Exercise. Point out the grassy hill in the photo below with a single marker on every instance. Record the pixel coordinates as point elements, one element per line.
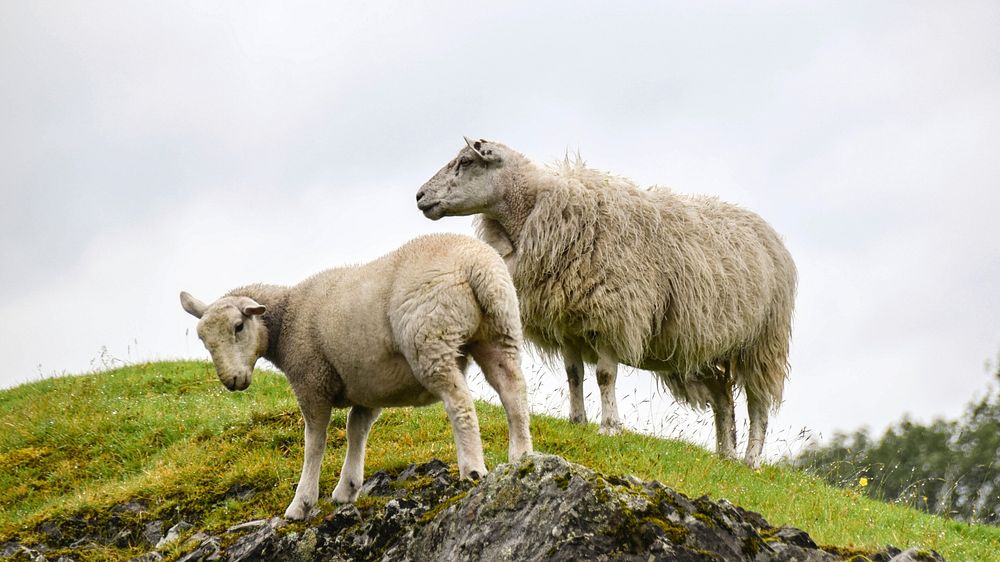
<point>170,435</point>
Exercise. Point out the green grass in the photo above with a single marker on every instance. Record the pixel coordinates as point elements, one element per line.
<point>170,435</point>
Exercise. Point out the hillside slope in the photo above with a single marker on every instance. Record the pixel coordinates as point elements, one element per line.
<point>169,436</point>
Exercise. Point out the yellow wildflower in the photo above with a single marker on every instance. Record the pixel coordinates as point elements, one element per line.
<point>863,482</point>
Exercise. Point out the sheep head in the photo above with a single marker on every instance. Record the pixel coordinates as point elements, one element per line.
<point>233,333</point>
<point>466,185</point>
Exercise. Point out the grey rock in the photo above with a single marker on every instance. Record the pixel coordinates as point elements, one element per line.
<point>135,506</point>
<point>173,534</point>
<point>253,546</point>
<point>9,548</point>
<point>545,508</point>
<point>196,539</point>
<point>206,548</point>
<point>148,557</point>
<point>890,551</point>
<point>407,473</point>
<point>21,552</point>
<point>249,525</point>
<point>917,555</point>
<point>122,539</point>
<point>52,531</point>
<point>345,517</point>
<point>378,484</point>
<point>301,547</point>
<point>634,480</point>
<point>795,537</point>
<point>783,552</point>
<point>153,532</point>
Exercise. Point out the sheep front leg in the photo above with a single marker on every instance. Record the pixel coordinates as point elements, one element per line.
<point>607,375</point>
<point>317,418</point>
<point>352,475</point>
<point>574,376</point>
<point>503,371</point>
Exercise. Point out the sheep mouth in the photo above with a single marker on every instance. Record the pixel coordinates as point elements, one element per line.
<point>237,383</point>
<point>430,210</point>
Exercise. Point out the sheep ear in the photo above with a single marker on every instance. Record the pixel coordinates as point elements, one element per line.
<point>475,146</point>
<point>483,149</point>
<point>193,306</point>
<point>250,307</point>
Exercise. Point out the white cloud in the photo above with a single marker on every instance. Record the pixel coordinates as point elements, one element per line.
<point>161,147</point>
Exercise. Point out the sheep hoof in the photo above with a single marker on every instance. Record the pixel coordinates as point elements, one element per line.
<point>729,455</point>
<point>611,429</point>
<point>475,474</point>
<point>297,511</point>
<point>346,494</point>
<point>578,418</point>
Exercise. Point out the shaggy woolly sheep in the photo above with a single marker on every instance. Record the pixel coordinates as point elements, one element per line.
<point>393,332</point>
<point>697,290</point>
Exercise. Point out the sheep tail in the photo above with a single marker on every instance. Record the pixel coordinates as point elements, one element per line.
<point>494,291</point>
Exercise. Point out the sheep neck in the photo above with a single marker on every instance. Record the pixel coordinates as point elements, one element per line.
<point>518,199</point>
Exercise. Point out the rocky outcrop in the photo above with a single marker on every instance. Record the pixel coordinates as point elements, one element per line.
<point>543,508</point>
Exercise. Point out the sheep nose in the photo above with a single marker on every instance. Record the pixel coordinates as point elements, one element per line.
<point>420,195</point>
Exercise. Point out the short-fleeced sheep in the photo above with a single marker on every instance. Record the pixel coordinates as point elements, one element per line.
<point>695,289</point>
<point>397,331</point>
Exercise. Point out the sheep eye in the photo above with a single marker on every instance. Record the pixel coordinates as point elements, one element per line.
<point>239,327</point>
<point>465,161</point>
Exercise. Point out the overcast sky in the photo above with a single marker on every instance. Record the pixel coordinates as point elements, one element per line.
<point>149,147</point>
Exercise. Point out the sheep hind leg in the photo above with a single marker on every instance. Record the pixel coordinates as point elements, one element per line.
<point>720,388</point>
<point>574,376</point>
<point>317,418</point>
<point>607,375</point>
<point>502,370</point>
<point>757,412</point>
<point>465,426</point>
<point>437,369</point>
<point>352,475</point>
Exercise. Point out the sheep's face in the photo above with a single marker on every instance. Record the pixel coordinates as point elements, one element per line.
<point>233,333</point>
<point>467,185</point>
